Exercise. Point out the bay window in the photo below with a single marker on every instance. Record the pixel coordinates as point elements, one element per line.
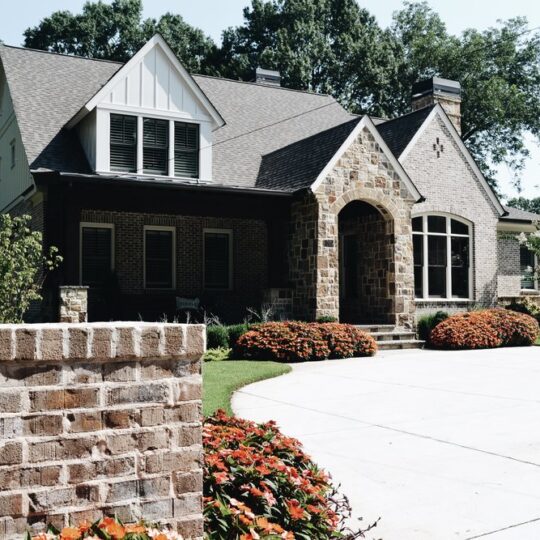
<point>441,251</point>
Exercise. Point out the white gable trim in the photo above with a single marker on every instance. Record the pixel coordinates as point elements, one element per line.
<point>366,122</point>
<point>156,41</point>
<point>439,111</point>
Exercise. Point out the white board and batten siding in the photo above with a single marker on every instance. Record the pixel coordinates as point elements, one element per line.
<point>14,180</point>
<point>152,87</point>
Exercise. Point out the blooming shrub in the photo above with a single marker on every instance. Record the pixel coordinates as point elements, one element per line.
<point>108,528</point>
<point>298,341</point>
<point>485,329</point>
<point>259,484</point>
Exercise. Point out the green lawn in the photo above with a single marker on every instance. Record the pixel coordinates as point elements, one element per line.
<point>537,341</point>
<point>221,379</point>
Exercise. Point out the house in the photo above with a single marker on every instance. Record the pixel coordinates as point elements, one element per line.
<point>156,184</point>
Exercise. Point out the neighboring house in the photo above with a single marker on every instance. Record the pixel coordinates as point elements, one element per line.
<point>155,184</point>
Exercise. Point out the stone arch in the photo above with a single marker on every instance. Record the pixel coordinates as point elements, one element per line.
<point>383,203</point>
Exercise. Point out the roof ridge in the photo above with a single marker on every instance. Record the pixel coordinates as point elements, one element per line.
<point>75,56</point>
<point>423,109</point>
<point>258,85</point>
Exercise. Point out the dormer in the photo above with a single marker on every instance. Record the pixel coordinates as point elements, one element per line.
<point>150,119</point>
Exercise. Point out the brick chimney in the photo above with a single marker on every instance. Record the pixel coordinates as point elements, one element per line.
<point>436,90</point>
<point>267,77</point>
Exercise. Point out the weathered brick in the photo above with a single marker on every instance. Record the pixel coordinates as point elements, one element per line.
<point>174,341</point>
<point>40,476</point>
<point>10,479</point>
<point>10,402</point>
<point>84,374</point>
<point>153,440</point>
<point>183,412</point>
<point>191,527</point>
<point>187,482</point>
<point>150,342</point>
<point>120,372</point>
<point>11,453</point>
<point>122,491</point>
<point>187,459</point>
<point>52,344</point>
<point>153,488</point>
<point>6,344</point>
<point>187,504</point>
<point>187,435</point>
<point>144,393</point>
<point>189,389</point>
<point>46,400</point>
<point>196,340</point>
<point>78,342</point>
<point>121,443</point>
<point>11,505</point>
<point>121,418</point>
<point>43,425</point>
<point>51,499</point>
<point>75,398</point>
<point>84,421</point>
<point>125,343</point>
<point>157,510</point>
<point>26,344</point>
<point>36,375</point>
<point>151,416</point>
<point>102,343</point>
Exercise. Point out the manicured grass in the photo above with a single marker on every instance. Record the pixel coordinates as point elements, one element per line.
<point>537,341</point>
<point>221,379</point>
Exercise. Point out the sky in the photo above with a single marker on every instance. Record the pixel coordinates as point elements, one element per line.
<point>212,16</point>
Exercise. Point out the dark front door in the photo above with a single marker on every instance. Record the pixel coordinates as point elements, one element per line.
<point>349,276</point>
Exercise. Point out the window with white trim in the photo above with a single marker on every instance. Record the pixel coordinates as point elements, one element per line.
<point>155,146</point>
<point>96,253</point>
<point>159,257</point>
<point>442,257</point>
<point>528,263</point>
<point>217,250</point>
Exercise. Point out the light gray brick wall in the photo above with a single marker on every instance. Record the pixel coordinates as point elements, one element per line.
<point>449,185</point>
<point>509,279</point>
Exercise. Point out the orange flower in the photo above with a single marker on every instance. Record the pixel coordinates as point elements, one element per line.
<point>70,533</point>
<point>161,536</point>
<point>294,510</point>
<point>116,531</point>
<point>85,526</point>
<point>135,529</point>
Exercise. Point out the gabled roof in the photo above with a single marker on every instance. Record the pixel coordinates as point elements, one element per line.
<point>398,132</point>
<point>47,90</point>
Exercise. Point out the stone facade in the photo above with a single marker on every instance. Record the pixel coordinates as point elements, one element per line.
<point>73,304</point>
<point>100,419</point>
<point>363,173</point>
<point>450,186</point>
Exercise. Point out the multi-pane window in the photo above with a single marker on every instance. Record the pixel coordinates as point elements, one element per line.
<point>217,259</point>
<point>123,152</point>
<point>96,253</point>
<point>441,246</point>
<point>527,261</point>
<point>186,150</point>
<point>156,146</point>
<point>159,257</point>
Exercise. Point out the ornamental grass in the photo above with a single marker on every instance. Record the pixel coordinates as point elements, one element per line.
<point>485,329</point>
<point>108,528</point>
<point>260,485</point>
<point>298,341</point>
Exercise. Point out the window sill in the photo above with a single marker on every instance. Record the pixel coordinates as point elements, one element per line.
<point>444,300</point>
<point>530,292</point>
<point>156,176</point>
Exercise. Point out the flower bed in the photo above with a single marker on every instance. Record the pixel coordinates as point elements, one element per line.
<point>297,341</point>
<point>259,484</point>
<point>485,329</point>
<point>108,528</point>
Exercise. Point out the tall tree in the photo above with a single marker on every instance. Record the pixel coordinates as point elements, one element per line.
<point>117,31</point>
<point>530,205</point>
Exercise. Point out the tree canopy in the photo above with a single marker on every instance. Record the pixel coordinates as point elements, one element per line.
<point>530,205</point>
<point>337,47</point>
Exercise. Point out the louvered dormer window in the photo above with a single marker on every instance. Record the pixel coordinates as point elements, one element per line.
<point>186,150</point>
<point>155,146</point>
<point>123,143</point>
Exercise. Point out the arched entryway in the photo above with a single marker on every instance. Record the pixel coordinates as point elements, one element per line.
<point>366,264</point>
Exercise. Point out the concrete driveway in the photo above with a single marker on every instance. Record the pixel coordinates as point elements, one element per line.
<point>441,445</point>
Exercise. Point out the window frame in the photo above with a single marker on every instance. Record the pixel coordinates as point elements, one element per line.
<point>535,288</point>
<point>139,150</point>
<point>95,225</point>
<point>173,258</point>
<point>448,235</point>
<point>12,152</point>
<point>119,170</point>
<point>230,234</point>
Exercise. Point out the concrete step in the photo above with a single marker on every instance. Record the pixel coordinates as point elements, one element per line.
<point>395,335</point>
<point>401,344</point>
<point>376,328</point>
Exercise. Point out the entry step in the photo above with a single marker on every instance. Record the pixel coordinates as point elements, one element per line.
<point>389,337</point>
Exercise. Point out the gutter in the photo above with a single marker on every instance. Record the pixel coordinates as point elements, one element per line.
<point>161,184</point>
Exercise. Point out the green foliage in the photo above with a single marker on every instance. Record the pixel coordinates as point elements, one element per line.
<point>525,306</point>
<point>217,355</point>
<point>235,331</point>
<point>217,336</point>
<point>428,322</point>
<point>116,31</point>
<point>23,267</point>
<point>327,319</point>
<point>532,242</point>
<point>530,205</point>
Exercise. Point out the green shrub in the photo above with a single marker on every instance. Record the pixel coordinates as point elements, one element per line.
<point>327,319</point>
<point>217,355</point>
<point>525,306</point>
<point>235,331</point>
<point>428,322</point>
<point>217,336</point>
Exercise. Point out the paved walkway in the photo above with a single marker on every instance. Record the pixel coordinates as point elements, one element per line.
<point>441,445</point>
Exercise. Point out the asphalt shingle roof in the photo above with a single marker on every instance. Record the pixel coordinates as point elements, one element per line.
<point>47,90</point>
<point>516,214</point>
<point>397,133</point>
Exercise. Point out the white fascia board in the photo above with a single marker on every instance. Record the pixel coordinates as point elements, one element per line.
<point>366,122</point>
<point>156,40</point>
<point>439,111</point>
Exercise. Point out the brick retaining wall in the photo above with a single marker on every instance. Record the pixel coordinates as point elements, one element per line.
<point>100,418</point>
